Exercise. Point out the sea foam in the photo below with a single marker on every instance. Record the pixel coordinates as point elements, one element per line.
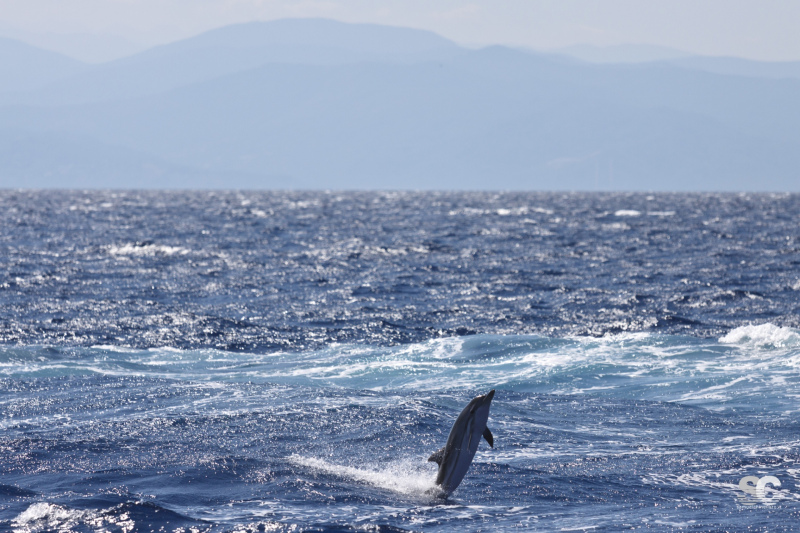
<point>763,335</point>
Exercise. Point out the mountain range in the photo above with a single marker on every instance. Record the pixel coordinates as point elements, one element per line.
<point>312,103</point>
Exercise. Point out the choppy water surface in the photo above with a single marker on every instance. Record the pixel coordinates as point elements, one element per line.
<point>198,361</point>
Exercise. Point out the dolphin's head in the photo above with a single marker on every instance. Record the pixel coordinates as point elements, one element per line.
<point>479,407</point>
<point>482,401</point>
<point>487,398</point>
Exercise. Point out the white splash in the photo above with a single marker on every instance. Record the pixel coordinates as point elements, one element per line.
<point>411,477</point>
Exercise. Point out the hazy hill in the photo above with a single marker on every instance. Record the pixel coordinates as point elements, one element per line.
<point>735,66</point>
<point>26,67</point>
<point>413,112</point>
<point>623,53</point>
<point>639,54</point>
<point>241,47</point>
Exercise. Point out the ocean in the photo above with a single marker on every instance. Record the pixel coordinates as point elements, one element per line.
<point>287,361</point>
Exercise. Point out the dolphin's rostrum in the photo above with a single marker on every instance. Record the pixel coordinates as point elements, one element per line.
<point>462,443</point>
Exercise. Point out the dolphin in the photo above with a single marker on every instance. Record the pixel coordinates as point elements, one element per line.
<point>462,443</point>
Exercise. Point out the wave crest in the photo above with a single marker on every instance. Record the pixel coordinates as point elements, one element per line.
<point>763,335</point>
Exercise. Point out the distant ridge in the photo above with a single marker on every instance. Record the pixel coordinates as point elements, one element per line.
<point>623,53</point>
<point>310,103</point>
<point>734,66</point>
<point>639,54</point>
<point>241,47</point>
<point>373,39</point>
<point>25,67</point>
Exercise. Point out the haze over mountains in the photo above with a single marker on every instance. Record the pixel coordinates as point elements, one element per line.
<point>320,104</point>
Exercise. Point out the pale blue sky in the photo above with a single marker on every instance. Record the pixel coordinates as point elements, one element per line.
<point>757,29</point>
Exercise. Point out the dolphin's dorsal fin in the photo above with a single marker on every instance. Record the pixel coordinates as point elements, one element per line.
<point>437,456</point>
<point>488,436</point>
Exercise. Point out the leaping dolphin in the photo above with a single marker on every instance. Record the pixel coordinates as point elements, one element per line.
<point>462,443</point>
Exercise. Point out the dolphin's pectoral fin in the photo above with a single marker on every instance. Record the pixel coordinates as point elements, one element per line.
<point>437,456</point>
<point>488,436</point>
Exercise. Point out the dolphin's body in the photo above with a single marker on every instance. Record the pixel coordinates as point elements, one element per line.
<point>462,443</point>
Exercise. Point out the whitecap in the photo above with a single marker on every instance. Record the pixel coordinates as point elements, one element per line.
<point>44,516</point>
<point>765,335</point>
<point>147,250</point>
<point>616,226</point>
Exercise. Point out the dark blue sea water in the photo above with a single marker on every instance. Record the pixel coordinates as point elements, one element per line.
<point>256,361</point>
